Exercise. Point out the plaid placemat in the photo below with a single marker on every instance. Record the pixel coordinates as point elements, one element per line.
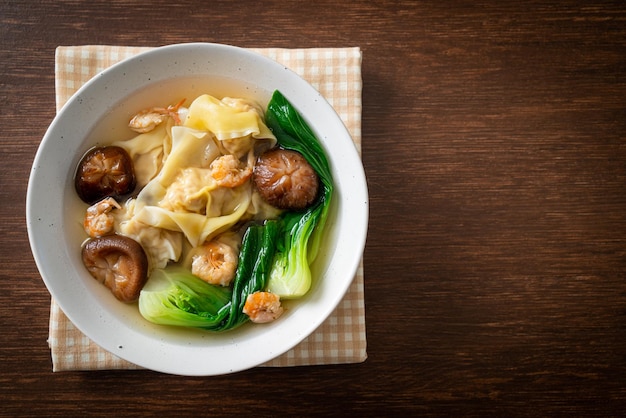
<point>336,74</point>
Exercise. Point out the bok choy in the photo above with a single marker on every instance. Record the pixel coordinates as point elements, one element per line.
<point>174,296</point>
<point>298,244</point>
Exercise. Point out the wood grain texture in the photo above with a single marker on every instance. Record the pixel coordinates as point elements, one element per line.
<point>494,141</point>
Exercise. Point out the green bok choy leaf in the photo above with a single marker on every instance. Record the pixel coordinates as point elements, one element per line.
<point>298,244</point>
<point>174,296</point>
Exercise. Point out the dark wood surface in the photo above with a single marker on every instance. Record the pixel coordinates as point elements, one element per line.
<point>494,141</point>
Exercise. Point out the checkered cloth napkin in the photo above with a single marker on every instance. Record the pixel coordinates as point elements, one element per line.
<point>336,74</point>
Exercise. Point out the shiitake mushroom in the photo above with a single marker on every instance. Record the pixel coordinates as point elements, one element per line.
<point>119,262</point>
<point>285,179</point>
<point>104,172</point>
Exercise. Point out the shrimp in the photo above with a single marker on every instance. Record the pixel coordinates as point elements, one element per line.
<point>229,171</point>
<point>148,119</point>
<point>263,307</point>
<point>215,263</point>
<point>98,219</point>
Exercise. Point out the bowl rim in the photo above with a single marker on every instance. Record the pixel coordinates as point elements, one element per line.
<point>35,218</point>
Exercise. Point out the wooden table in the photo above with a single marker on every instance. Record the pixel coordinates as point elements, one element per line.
<point>494,141</point>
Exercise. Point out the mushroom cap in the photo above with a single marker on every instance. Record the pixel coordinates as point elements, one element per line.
<point>104,172</point>
<point>285,179</point>
<point>119,262</point>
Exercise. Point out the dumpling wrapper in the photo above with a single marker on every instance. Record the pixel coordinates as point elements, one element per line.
<point>227,118</point>
<point>148,151</point>
<point>161,245</point>
<point>196,227</point>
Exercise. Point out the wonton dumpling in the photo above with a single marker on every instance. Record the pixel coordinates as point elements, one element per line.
<point>259,209</point>
<point>161,245</point>
<point>171,199</point>
<point>198,228</point>
<point>148,151</point>
<point>228,118</point>
<point>190,148</point>
<point>189,191</point>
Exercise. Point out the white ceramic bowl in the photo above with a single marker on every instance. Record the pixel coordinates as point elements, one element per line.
<point>98,113</point>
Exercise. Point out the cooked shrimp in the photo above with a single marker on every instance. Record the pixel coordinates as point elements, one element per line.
<point>229,171</point>
<point>148,119</point>
<point>98,219</point>
<point>215,263</point>
<point>263,307</point>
